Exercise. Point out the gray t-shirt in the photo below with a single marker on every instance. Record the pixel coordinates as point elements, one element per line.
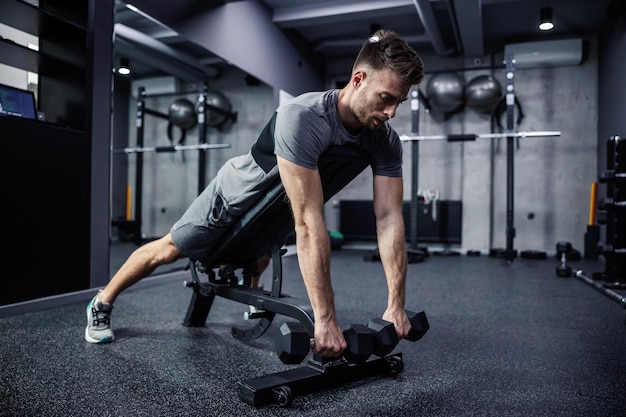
<point>308,124</point>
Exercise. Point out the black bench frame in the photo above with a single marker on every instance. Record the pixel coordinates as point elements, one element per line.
<point>264,229</point>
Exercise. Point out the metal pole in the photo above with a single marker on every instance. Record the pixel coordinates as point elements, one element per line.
<point>202,137</point>
<point>618,298</point>
<point>510,153</point>
<point>415,115</point>
<point>139,164</point>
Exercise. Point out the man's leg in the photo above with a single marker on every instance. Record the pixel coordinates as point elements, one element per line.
<point>262,265</point>
<point>141,263</point>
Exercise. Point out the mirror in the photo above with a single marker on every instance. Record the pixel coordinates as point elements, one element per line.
<point>155,107</point>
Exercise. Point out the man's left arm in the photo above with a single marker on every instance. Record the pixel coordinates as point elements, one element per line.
<point>390,233</point>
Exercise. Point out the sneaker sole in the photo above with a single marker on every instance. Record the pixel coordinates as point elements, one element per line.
<point>92,340</point>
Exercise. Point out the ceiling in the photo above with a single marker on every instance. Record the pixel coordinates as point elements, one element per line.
<point>334,29</point>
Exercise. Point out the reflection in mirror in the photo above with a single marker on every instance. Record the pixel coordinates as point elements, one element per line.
<point>163,149</point>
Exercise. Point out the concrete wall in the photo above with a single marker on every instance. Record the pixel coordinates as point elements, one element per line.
<point>552,176</point>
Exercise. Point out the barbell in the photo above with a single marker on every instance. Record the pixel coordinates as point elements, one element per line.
<point>173,148</point>
<point>473,136</point>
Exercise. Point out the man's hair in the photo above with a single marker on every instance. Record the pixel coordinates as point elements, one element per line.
<point>385,49</point>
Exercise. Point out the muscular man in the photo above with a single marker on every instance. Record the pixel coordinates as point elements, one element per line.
<point>289,146</point>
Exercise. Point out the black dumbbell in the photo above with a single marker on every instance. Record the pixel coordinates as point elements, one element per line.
<point>419,325</point>
<point>386,338</point>
<point>360,340</point>
<point>293,343</point>
<point>563,270</point>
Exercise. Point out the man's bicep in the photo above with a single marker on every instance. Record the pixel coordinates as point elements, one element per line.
<point>388,195</point>
<point>302,185</point>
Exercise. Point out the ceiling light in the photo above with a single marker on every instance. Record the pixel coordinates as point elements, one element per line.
<point>124,68</point>
<point>545,19</point>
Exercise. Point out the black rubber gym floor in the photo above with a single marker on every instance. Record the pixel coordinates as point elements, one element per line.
<point>505,340</point>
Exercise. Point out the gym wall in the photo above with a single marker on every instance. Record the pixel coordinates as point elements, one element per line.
<point>552,175</point>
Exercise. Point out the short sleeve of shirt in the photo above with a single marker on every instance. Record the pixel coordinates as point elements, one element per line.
<point>301,135</point>
<point>387,151</point>
<point>310,124</point>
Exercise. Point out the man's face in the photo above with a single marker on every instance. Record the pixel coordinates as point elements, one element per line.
<point>377,97</point>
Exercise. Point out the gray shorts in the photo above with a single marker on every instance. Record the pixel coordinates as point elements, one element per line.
<point>237,185</point>
<point>204,222</point>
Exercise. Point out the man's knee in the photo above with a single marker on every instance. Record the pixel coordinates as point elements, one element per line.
<point>163,251</point>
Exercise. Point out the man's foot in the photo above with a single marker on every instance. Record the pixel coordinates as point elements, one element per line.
<point>98,328</point>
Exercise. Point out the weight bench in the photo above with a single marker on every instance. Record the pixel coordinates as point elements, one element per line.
<point>263,229</point>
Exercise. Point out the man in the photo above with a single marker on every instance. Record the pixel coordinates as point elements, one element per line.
<point>289,146</point>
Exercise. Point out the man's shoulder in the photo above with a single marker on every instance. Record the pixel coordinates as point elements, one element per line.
<point>314,101</point>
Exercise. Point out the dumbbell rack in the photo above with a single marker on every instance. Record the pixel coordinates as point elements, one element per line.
<point>613,207</point>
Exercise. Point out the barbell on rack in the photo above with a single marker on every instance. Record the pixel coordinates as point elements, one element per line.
<point>473,136</point>
<point>173,148</point>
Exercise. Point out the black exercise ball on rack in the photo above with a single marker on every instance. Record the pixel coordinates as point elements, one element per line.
<point>182,113</point>
<point>483,93</point>
<point>445,91</point>
<point>218,108</point>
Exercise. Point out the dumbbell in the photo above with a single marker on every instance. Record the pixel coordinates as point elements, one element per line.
<point>386,338</point>
<point>379,337</point>
<point>563,270</point>
<point>293,343</point>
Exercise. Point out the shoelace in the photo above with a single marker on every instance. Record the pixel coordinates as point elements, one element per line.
<point>100,317</point>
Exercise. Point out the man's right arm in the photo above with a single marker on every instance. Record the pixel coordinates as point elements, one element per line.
<point>304,190</point>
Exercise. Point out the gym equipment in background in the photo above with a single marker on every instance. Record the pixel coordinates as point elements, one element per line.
<point>446,91</point>
<point>219,109</point>
<point>473,136</point>
<point>508,253</point>
<point>613,208</point>
<point>181,113</point>
<point>565,252</point>
<point>483,93</point>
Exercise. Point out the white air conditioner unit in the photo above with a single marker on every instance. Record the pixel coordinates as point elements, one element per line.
<point>156,85</point>
<point>546,54</point>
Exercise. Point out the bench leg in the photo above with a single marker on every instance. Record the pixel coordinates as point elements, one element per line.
<point>200,303</point>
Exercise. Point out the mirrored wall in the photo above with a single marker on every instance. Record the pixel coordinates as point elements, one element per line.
<point>164,148</point>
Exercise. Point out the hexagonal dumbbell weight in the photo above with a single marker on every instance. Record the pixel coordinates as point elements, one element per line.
<point>419,325</point>
<point>385,336</point>
<point>292,342</point>
<point>360,340</point>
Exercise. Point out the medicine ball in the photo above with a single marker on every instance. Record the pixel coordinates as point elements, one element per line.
<point>182,113</point>
<point>218,108</point>
<point>445,91</point>
<point>483,93</point>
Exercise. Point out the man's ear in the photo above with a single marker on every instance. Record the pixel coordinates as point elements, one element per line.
<point>358,77</point>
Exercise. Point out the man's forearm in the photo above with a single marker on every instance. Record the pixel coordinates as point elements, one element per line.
<point>392,248</point>
<point>313,246</point>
